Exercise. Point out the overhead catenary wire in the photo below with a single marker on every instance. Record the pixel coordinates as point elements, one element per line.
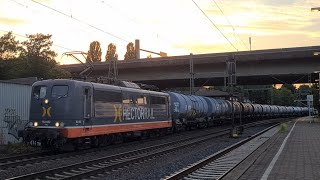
<point>230,24</point>
<point>134,21</point>
<point>23,5</point>
<point>81,21</point>
<point>215,25</point>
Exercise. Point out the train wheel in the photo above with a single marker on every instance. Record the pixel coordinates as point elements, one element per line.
<point>95,141</point>
<point>107,139</point>
<point>163,132</point>
<point>118,139</point>
<point>145,135</point>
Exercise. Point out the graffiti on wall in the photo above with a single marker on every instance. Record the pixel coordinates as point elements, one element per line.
<point>14,122</point>
<point>2,140</point>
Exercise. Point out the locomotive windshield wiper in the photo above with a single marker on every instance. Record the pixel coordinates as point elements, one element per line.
<point>62,96</point>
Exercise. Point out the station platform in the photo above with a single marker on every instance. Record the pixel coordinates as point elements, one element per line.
<point>290,154</point>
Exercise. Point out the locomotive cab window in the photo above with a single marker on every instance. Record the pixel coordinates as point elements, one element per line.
<point>59,91</point>
<point>129,98</point>
<point>107,96</point>
<point>158,100</point>
<point>39,92</point>
<point>142,100</point>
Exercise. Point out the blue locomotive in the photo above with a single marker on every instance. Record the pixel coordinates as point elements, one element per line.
<point>77,112</point>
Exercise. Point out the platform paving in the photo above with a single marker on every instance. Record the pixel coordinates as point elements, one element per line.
<point>298,158</point>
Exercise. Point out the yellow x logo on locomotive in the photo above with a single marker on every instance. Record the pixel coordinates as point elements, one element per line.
<point>46,111</point>
<point>117,114</point>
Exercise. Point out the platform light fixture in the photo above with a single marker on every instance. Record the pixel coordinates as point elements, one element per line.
<point>316,53</point>
<point>315,9</point>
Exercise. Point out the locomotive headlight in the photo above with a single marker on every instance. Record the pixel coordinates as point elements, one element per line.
<point>35,124</point>
<point>46,101</point>
<point>57,124</point>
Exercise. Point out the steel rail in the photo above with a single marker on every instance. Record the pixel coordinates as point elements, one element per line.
<point>192,168</point>
<point>100,165</point>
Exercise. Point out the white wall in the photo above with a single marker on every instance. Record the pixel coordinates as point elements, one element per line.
<point>14,110</point>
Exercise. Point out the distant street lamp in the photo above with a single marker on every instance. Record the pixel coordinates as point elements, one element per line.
<point>317,54</point>
<point>318,85</point>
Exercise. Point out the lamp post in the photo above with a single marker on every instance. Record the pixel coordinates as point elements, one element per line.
<point>317,54</point>
<point>318,85</point>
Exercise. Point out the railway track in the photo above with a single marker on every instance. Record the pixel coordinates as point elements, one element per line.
<point>12,161</point>
<point>99,166</point>
<point>24,159</point>
<point>221,163</point>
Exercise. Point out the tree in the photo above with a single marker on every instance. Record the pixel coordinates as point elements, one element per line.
<point>35,60</point>
<point>94,53</point>
<point>39,45</point>
<point>291,87</point>
<point>111,52</point>
<point>283,97</point>
<point>9,47</point>
<point>261,94</point>
<point>130,54</point>
<point>287,97</point>
<point>57,72</point>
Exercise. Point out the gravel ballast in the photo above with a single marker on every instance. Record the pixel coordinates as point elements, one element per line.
<point>156,168</point>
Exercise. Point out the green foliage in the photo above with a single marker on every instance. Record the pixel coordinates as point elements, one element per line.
<point>260,94</point>
<point>94,53</point>
<point>304,88</point>
<point>283,97</point>
<point>9,47</point>
<point>39,45</point>
<point>130,54</point>
<point>291,87</point>
<point>283,127</point>
<point>36,59</point>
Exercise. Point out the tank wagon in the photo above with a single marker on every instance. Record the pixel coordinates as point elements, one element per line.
<point>77,113</point>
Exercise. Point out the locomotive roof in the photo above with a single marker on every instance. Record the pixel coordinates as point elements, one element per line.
<point>95,85</point>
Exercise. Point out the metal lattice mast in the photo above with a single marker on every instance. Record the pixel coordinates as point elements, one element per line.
<point>191,75</point>
<point>232,81</point>
<point>113,68</point>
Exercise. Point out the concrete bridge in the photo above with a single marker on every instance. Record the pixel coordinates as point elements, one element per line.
<point>274,66</point>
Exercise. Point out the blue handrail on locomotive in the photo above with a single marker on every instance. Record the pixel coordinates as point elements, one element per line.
<point>70,111</point>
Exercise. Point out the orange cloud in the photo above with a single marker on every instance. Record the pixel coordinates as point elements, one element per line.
<point>12,21</point>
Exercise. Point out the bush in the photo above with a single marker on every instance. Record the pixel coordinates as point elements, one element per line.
<point>283,127</point>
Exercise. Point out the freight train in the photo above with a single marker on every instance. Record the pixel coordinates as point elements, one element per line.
<point>85,113</point>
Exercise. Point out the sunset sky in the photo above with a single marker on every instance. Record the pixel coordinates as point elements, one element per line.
<point>176,27</point>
